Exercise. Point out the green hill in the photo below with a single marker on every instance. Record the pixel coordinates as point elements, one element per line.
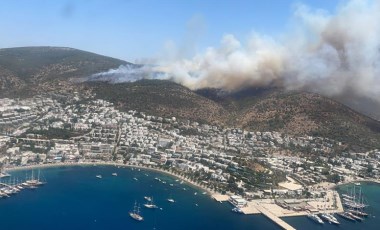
<point>33,67</point>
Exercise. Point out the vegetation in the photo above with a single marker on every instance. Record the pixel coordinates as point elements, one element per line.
<point>31,70</point>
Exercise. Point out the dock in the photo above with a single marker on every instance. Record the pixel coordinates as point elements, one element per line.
<point>274,218</point>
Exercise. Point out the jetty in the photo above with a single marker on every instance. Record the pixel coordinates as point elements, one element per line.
<point>274,218</point>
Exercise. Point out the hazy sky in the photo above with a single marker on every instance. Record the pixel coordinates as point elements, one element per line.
<point>135,29</point>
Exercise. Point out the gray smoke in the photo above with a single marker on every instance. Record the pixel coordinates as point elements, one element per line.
<point>332,54</point>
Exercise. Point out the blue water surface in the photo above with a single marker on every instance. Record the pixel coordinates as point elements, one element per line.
<point>74,198</point>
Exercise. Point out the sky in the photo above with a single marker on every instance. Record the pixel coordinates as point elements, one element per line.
<point>137,30</point>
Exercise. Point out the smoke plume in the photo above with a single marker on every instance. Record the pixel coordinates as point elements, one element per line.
<point>331,54</point>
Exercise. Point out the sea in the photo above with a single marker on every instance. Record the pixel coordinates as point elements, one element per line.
<point>74,198</point>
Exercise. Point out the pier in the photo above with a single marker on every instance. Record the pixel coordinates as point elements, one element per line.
<point>274,218</point>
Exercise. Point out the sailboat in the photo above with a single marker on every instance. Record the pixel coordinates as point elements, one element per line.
<point>39,182</point>
<point>135,214</point>
<point>359,211</point>
<point>355,203</point>
<point>32,183</point>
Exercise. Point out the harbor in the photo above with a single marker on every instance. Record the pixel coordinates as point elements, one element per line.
<point>11,186</point>
<point>273,209</point>
<point>348,206</point>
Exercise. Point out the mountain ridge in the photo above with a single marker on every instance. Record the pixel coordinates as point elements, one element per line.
<point>29,71</point>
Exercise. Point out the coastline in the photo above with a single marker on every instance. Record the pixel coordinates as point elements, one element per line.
<point>54,165</point>
<point>356,181</point>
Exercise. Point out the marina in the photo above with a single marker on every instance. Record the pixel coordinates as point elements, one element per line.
<point>268,208</point>
<point>11,186</point>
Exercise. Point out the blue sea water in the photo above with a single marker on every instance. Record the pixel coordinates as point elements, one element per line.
<point>75,199</point>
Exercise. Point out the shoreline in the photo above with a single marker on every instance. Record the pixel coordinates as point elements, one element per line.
<point>374,181</point>
<point>55,165</point>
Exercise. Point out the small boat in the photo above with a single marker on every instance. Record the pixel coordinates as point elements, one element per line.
<point>171,200</point>
<point>195,194</point>
<point>237,210</point>
<point>150,204</point>
<point>196,205</point>
<point>148,198</point>
<point>315,218</point>
<point>135,214</point>
<point>135,179</point>
<point>357,184</point>
<point>114,174</point>
<point>172,185</point>
<point>204,193</point>
<point>99,176</point>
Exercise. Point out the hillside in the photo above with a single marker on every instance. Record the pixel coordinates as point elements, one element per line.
<point>297,113</point>
<point>27,69</point>
<point>33,70</point>
<point>267,109</point>
<point>161,98</point>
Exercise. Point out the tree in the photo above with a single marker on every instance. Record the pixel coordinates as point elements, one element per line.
<point>335,178</point>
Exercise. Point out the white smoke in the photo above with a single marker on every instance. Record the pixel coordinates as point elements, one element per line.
<point>128,73</point>
<point>331,54</point>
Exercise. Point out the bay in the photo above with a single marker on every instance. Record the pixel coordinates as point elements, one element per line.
<point>74,198</point>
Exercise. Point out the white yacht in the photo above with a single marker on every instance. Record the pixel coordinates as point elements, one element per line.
<point>315,218</point>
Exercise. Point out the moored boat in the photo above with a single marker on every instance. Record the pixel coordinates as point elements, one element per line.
<point>135,214</point>
<point>237,210</point>
<point>150,204</point>
<point>354,216</point>
<point>315,218</point>
<point>345,216</point>
<point>329,218</point>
